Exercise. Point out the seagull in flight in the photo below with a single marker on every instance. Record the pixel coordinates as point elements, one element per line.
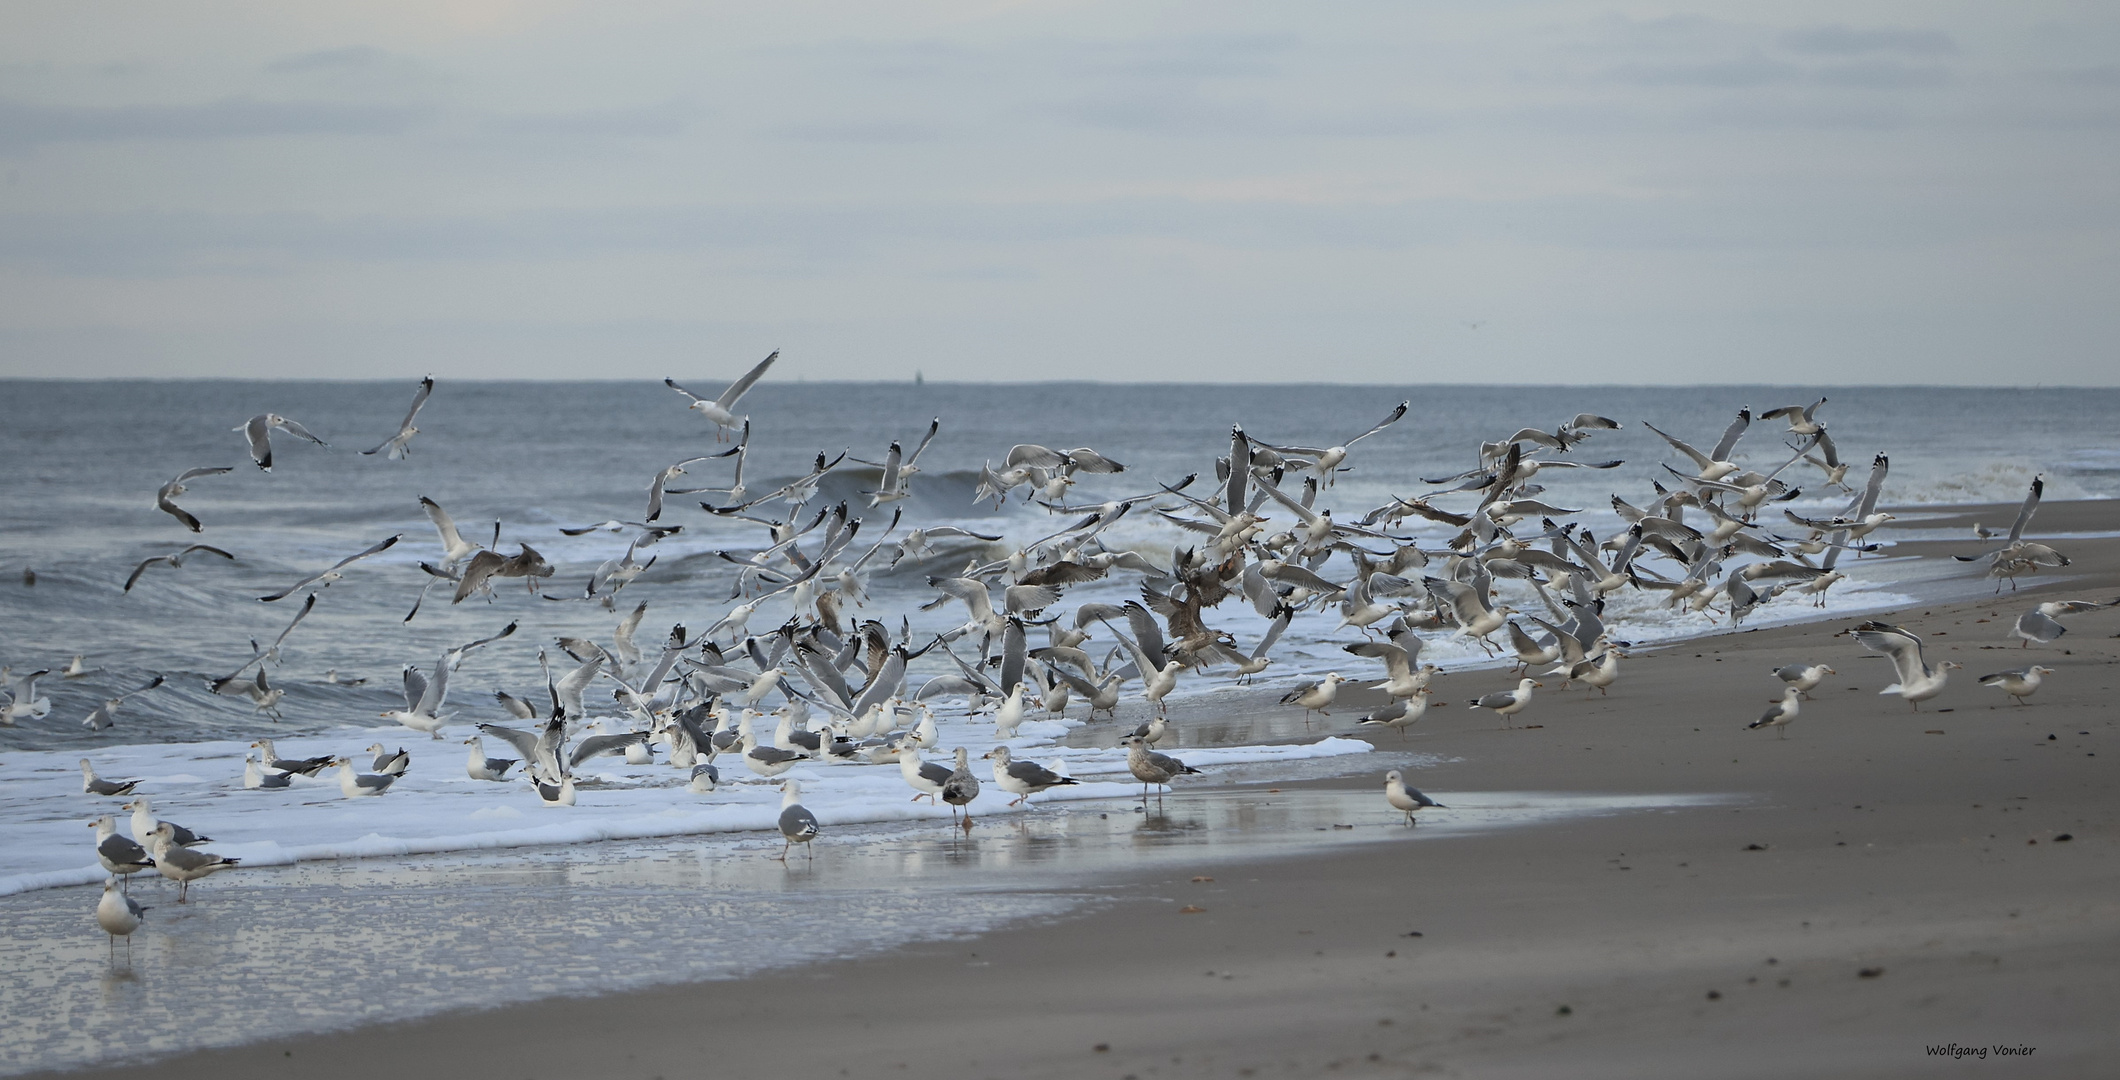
<point>398,444</point>
<point>720,410</point>
<point>258,429</point>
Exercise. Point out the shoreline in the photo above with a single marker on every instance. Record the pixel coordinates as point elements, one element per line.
<point>1880,846</point>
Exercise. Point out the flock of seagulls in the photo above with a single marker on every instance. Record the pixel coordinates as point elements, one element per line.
<point>823,685</point>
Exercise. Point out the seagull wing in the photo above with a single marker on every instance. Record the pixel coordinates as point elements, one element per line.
<point>740,387</point>
<point>1903,647</point>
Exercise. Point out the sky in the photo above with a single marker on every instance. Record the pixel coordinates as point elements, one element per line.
<point>1543,192</point>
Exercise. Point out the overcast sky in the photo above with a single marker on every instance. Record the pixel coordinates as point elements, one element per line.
<point>1395,192</point>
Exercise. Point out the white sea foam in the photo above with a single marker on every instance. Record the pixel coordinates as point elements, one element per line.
<point>436,808</point>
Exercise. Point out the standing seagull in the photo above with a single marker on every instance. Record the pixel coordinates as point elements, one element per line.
<point>1918,681</point>
<point>1404,799</point>
<point>145,825</point>
<point>397,444</point>
<point>183,865</point>
<point>2018,683</point>
<point>119,916</point>
<point>1402,713</point>
<point>925,778</point>
<point>165,498</point>
<point>258,429</point>
<point>962,787</point>
<point>719,409</point>
<point>1315,697</point>
<point>1509,702</point>
<point>117,854</point>
<point>1023,779</point>
<point>1150,767</point>
<point>1783,711</point>
<point>797,824</point>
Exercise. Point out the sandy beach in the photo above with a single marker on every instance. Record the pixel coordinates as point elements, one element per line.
<point>1880,883</point>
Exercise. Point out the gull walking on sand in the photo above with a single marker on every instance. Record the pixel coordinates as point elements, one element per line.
<point>118,915</point>
<point>1783,711</point>
<point>1023,779</point>
<point>1918,680</point>
<point>1508,703</point>
<point>1152,768</point>
<point>1405,799</point>
<point>2018,683</point>
<point>1804,677</point>
<point>183,865</point>
<point>1315,697</point>
<point>117,854</point>
<point>1402,713</point>
<point>797,824</point>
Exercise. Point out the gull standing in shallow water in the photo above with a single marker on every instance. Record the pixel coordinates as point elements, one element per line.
<point>1918,681</point>
<point>144,826</point>
<point>1023,779</point>
<point>797,824</point>
<point>119,916</point>
<point>117,854</point>
<point>1405,799</point>
<point>183,865</point>
<point>1783,711</point>
<point>2018,683</point>
<point>962,787</point>
<point>1150,767</point>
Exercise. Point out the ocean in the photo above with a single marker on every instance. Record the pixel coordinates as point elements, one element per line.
<point>84,460</point>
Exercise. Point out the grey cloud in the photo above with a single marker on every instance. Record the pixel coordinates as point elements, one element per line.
<point>856,234</point>
<point>345,58</point>
<point>647,121</point>
<point>885,132</point>
<point>1850,41</point>
<point>231,118</point>
<point>1750,70</point>
<point>1882,75</point>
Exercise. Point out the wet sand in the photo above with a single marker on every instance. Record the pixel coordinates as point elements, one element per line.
<point>1884,882</point>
